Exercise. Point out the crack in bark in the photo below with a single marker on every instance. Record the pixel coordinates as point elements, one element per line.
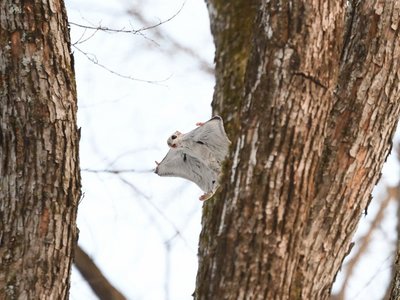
<point>312,78</point>
<point>348,28</point>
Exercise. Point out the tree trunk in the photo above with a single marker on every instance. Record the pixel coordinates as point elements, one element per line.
<point>40,179</point>
<point>310,94</point>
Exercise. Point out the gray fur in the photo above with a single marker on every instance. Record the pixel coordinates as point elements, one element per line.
<point>197,155</point>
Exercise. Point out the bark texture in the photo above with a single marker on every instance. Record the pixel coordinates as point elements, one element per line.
<point>40,179</point>
<point>311,114</point>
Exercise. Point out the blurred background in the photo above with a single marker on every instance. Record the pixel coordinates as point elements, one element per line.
<point>144,69</point>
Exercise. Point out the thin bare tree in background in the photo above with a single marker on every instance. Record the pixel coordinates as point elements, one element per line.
<point>310,93</point>
<point>395,290</point>
<point>39,165</point>
<point>393,293</point>
<point>161,35</point>
<point>365,241</point>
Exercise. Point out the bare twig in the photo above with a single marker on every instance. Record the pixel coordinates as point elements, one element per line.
<point>167,246</point>
<point>128,153</point>
<point>373,277</point>
<point>175,45</point>
<point>93,59</point>
<point>95,278</point>
<point>156,208</point>
<point>116,171</point>
<point>130,31</point>
<point>81,39</point>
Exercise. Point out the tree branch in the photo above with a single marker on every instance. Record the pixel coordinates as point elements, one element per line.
<point>123,30</point>
<point>116,171</point>
<point>95,278</point>
<point>93,59</point>
<point>176,46</point>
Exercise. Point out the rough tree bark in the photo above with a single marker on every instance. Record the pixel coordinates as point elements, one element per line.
<point>39,172</point>
<point>310,94</point>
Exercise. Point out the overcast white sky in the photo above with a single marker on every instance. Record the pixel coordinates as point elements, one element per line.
<point>142,230</point>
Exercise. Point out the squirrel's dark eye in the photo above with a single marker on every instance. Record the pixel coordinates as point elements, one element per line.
<point>173,136</point>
